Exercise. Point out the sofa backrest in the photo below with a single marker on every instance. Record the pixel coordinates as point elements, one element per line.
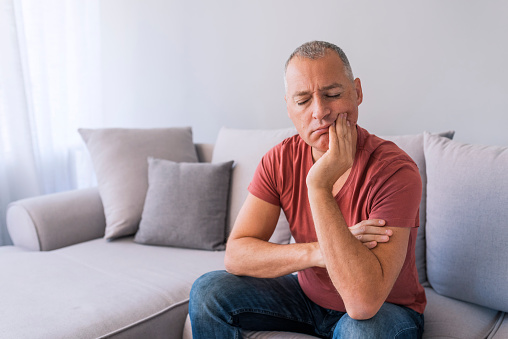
<point>246,148</point>
<point>467,221</point>
<point>204,151</point>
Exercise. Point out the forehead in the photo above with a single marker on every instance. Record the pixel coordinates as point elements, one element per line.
<point>305,74</point>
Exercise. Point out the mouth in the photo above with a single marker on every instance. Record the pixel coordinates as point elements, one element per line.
<point>322,130</point>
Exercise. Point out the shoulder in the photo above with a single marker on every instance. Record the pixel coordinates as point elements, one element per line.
<point>286,150</point>
<point>384,154</point>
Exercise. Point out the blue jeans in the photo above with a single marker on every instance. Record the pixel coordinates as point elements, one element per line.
<point>222,305</point>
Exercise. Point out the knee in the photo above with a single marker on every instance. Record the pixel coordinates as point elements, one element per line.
<point>204,285</point>
<point>390,322</point>
<point>348,327</point>
<point>207,290</point>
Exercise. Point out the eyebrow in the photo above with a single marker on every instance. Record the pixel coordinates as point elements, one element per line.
<point>326,88</point>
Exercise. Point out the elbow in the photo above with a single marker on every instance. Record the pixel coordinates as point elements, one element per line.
<point>231,265</point>
<point>360,314</point>
<point>363,310</point>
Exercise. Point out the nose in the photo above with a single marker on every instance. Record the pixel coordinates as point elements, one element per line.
<point>320,110</point>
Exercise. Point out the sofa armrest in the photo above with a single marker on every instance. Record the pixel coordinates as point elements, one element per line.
<point>57,220</point>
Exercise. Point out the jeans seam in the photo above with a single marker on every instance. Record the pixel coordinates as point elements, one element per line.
<point>273,314</point>
<point>413,327</point>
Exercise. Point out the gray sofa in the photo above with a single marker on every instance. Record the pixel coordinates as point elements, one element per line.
<point>62,279</point>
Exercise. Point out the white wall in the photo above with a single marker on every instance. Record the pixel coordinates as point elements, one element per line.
<point>425,65</point>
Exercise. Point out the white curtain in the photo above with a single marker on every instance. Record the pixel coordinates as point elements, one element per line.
<point>49,87</point>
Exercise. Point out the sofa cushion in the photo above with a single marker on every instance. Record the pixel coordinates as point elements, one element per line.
<point>246,148</point>
<point>119,159</point>
<point>413,146</point>
<point>186,205</point>
<point>11,249</point>
<point>449,318</point>
<point>467,199</point>
<point>99,288</point>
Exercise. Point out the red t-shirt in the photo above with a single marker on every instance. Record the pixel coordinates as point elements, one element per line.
<point>384,183</point>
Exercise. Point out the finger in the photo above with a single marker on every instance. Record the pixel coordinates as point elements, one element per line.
<point>332,130</point>
<point>372,222</point>
<point>369,222</point>
<point>370,245</point>
<point>341,125</point>
<point>364,238</point>
<point>344,134</point>
<point>333,142</point>
<point>374,230</point>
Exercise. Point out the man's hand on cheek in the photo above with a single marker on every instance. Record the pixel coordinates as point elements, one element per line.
<point>337,160</point>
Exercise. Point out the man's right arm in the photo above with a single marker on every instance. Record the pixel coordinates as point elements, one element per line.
<point>249,253</point>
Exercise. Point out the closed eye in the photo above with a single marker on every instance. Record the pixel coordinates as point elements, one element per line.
<point>300,103</point>
<point>333,96</point>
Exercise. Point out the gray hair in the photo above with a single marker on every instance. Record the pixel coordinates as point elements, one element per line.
<point>315,50</point>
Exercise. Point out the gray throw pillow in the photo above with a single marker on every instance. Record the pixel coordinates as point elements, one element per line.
<point>467,199</point>
<point>119,159</point>
<point>186,205</point>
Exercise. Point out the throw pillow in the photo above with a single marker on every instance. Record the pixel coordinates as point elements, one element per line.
<point>467,195</point>
<point>247,147</point>
<point>186,205</point>
<point>119,159</point>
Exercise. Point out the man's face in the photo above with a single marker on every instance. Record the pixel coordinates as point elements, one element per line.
<point>317,92</point>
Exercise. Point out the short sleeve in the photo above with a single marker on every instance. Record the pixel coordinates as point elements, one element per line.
<point>396,196</point>
<point>264,183</point>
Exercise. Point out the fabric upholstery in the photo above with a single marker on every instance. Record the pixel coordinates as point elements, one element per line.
<point>501,332</point>
<point>119,157</point>
<point>450,318</point>
<point>57,220</point>
<point>186,205</point>
<point>93,289</point>
<point>11,249</point>
<point>246,148</point>
<point>467,196</point>
<point>413,146</point>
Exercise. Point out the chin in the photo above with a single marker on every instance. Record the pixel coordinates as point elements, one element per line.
<point>322,143</point>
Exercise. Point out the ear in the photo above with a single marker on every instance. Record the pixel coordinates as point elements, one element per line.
<point>359,92</point>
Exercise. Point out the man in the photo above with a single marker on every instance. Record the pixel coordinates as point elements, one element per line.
<point>352,282</point>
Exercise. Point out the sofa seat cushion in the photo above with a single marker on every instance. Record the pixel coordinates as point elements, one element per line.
<point>11,249</point>
<point>450,318</point>
<point>98,288</point>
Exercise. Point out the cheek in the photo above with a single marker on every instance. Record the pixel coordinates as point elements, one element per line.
<point>299,120</point>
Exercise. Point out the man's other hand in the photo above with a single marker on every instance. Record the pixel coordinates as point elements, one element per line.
<point>371,232</point>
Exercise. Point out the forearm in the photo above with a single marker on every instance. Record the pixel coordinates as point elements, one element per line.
<point>354,269</point>
<point>258,258</point>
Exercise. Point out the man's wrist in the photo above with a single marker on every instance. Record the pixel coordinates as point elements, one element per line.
<point>319,191</point>
<point>314,255</point>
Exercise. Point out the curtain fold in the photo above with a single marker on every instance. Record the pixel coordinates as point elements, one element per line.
<point>49,87</point>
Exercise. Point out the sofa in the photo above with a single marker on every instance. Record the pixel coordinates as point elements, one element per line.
<point>69,275</point>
